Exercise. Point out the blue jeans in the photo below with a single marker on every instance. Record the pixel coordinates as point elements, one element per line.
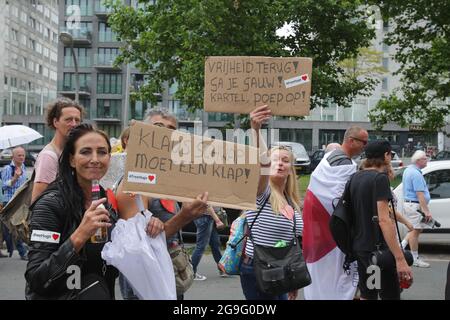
<point>125,289</point>
<point>9,242</point>
<point>206,233</point>
<point>249,288</point>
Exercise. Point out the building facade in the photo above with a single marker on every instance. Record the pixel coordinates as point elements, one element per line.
<point>105,90</point>
<point>28,67</point>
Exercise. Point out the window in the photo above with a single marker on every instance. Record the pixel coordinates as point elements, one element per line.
<point>23,17</point>
<point>83,30</point>
<point>23,62</point>
<point>438,184</point>
<point>23,39</point>
<point>15,11</point>
<point>303,136</point>
<point>107,108</point>
<point>14,34</point>
<point>32,44</point>
<point>105,34</point>
<point>329,136</point>
<point>42,129</point>
<point>109,83</point>
<point>106,56</point>
<point>45,51</point>
<point>53,55</point>
<point>113,130</point>
<point>385,62</point>
<point>84,5</point>
<point>86,103</point>
<point>6,80</point>
<point>38,48</point>
<point>83,57</point>
<point>69,81</point>
<point>385,26</point>
<point>32,23</point>
<point>384,84</point>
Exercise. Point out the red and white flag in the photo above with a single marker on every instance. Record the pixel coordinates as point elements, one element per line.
<point>322,256</point>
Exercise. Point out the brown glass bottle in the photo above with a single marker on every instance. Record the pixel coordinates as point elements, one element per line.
<point>101,235</point>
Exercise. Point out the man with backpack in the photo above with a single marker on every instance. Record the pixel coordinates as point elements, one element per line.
<point>373,228</point>
<point>324,259</point>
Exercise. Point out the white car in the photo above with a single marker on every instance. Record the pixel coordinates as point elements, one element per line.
<point>437,176</point>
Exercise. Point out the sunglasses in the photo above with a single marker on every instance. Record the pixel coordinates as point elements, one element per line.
<point>364,142</point>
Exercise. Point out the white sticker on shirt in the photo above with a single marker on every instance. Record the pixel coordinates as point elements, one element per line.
<point>45,236</point>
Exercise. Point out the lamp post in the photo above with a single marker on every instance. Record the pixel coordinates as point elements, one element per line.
<point>67,39</point>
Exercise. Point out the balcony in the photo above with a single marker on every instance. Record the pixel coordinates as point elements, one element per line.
<point>69,89</point>
<point>80,35</point>
<point>107,114</point>
<point>102,11</point>
<point>105,62</point>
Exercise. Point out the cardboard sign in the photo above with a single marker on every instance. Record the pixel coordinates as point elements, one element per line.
<point>168,164</point>
<point>240,84</point>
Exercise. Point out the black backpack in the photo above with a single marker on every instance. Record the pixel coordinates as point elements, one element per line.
<point>341,225</point>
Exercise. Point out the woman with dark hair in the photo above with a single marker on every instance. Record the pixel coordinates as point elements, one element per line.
<point>62,260</point>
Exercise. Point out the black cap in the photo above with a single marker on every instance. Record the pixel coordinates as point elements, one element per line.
<point>377,149</point>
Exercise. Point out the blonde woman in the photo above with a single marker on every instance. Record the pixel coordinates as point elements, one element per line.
<point>278,189</point>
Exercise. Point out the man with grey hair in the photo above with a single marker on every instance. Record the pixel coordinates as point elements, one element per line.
<point>416,197</point>
<point>161,118</point>
<point>13,176</point>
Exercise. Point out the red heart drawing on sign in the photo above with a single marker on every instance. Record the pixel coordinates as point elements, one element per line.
<point>55,236</point>
<point>151,178</point>
<point>304,77</point>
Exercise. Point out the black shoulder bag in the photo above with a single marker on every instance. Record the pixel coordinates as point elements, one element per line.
<point>279,270</point>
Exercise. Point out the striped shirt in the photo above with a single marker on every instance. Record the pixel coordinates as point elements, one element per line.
<point>270,227</point>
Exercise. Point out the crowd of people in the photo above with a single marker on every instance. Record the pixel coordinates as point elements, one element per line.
<point>64,216</point>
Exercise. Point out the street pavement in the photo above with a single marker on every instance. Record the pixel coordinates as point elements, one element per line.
<point>428,283</point>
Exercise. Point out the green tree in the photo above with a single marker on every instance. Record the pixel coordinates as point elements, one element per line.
<point>169,39</point>
<point>421,35</point>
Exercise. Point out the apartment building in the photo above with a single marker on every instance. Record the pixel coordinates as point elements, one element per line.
<point>28,67</point>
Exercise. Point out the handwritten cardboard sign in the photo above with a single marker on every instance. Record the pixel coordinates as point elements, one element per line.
<point>239,84</point>
<point>170,164</point>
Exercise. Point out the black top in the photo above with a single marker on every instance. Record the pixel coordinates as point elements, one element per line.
<point>338,158</point>
<point>364,206</point>
<point>48,260</point>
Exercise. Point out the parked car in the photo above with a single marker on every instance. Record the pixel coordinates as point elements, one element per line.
<point>441,155</point>
<point>316,157</point>
<point>396,162</point>
<point>302,162</point>
<point>6,157</point>
<point>437,177</point>
<point>189,231</point>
